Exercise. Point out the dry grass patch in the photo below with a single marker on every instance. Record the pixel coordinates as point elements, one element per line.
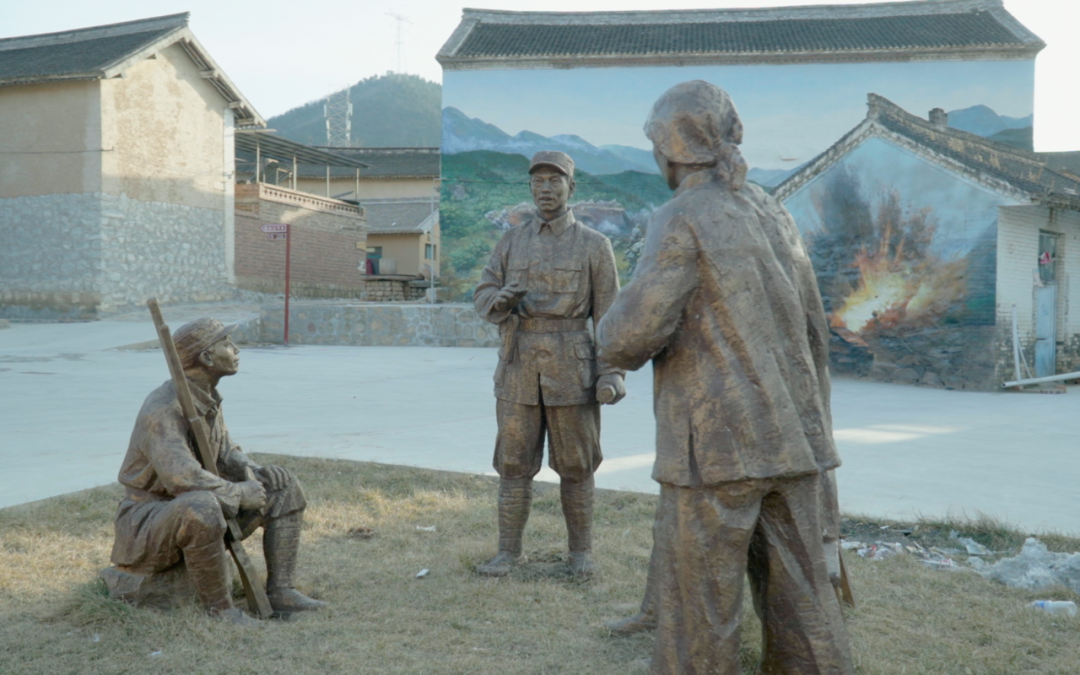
<point>55,617</point>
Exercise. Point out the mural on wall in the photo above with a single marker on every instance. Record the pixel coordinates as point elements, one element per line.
<point>905,254</point>
<point>493,120</point>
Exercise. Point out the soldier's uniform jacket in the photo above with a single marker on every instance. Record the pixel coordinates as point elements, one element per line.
<point>569,271</point>
<point>161,464</point>
<point>725,302</point>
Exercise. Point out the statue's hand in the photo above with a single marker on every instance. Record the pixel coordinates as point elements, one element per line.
<point>273,477</point>
<point>509,297</point>
<point>610,389</point>
<point>252,494</point>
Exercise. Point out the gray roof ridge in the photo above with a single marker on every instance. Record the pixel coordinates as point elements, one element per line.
<point>171,21</point>
<point>878,104</point>
<point>882,111</point>
<point>676,16</point>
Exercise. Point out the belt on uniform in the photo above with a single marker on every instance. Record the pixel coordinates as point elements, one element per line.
<point>552,325</point>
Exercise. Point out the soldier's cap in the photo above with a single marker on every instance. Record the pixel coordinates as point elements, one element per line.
<point>560,161</point>
<point>195,337</point>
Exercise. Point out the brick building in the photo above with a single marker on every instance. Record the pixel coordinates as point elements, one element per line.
<point>328,247</point>
<point>929,242</point>
<point>329,236</point>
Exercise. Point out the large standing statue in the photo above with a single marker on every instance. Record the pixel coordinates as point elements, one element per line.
<point>725,303</point>
<point>174,510</point>
<point>545,280</point>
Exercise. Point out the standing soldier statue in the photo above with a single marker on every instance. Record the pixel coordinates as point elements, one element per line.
<point>545,280</point>
<point>725,303</point>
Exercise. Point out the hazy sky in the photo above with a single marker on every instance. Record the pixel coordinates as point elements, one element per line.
<point>282,55</point>
<point>790,112</point>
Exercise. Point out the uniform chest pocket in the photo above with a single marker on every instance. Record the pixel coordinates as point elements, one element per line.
<point>517,273</point>
<point>566,278</point>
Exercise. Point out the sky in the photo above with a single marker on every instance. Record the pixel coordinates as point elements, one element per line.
<point>282,55</point>
<point>790,112</point>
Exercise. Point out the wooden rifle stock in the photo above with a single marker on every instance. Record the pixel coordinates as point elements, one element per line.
<point>258,603</point>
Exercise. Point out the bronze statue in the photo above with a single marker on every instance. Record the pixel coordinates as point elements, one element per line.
<point>175,511</point>
<point>545,280</point>
<point>725,303</point>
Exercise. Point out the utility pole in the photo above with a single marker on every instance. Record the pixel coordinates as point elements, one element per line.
<point>338,110</point>
<point>401,21</point>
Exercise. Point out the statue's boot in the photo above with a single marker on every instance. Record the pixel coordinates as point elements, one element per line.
<point>281,543</point>
<point>207,568</point>
<point>515,499</point>
<point>631,625</point>
<point>577,506</point>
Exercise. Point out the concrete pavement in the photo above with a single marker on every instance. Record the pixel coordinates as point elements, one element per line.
<point>68,400</point>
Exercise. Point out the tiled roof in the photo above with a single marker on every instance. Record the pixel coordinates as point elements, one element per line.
<point>899,27</point>
<point>382,163</point>
<point>400,216</point>
<point>1024,171</point>
<point>106,51</point>
<point>80,54</point>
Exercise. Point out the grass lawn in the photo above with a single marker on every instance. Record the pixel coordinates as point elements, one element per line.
<point>55,617</point>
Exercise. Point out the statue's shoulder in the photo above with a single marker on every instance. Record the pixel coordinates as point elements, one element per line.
<point>160,401</point>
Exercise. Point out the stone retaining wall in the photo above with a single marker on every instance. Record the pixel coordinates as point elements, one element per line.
<point>392,290</point>
<point>379,325</point>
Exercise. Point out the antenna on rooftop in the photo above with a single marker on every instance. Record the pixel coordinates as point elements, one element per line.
<point>338,111</point>
<point>401,21</point>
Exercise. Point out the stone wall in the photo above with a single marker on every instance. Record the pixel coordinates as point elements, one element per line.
<point>173,252</point>
<point>50,258</point>
<point>382,289</point>
<point>74,255</point>
<point>379,325</point>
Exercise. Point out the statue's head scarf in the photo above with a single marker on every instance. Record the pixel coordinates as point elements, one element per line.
<point>696,123</point>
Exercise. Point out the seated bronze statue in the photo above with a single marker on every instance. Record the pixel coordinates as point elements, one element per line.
<point>175,511</point>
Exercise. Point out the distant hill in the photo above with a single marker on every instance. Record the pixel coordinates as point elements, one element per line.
<point>1018,138</point>
<point>391,110</point>
<point>462,133</point>
<point>983,121</point>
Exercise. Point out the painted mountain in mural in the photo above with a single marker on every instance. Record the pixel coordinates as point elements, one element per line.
<point>462,133</point>
<point>982,121</point>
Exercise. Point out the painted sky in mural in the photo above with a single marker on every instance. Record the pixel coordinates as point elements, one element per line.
<point>791,112</point>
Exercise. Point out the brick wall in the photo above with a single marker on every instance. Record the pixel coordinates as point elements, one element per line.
<point>329,242</point>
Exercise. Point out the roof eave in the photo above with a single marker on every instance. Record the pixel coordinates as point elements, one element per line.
<point>566,61</point>
<point>42,79</point>
<point>245,112</point>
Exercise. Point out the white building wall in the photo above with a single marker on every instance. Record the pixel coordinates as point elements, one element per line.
<point>1018,252</point>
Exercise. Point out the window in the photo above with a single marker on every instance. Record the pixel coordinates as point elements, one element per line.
<point>374,252</point>
<point>1047,257</point>
<point>429,251</point>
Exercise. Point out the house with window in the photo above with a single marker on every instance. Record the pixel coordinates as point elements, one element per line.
<point>943,258</point>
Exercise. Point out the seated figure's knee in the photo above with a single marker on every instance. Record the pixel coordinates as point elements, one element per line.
<point>200,515</point>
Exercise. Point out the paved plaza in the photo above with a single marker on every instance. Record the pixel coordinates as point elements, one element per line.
<point>68,399</point>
